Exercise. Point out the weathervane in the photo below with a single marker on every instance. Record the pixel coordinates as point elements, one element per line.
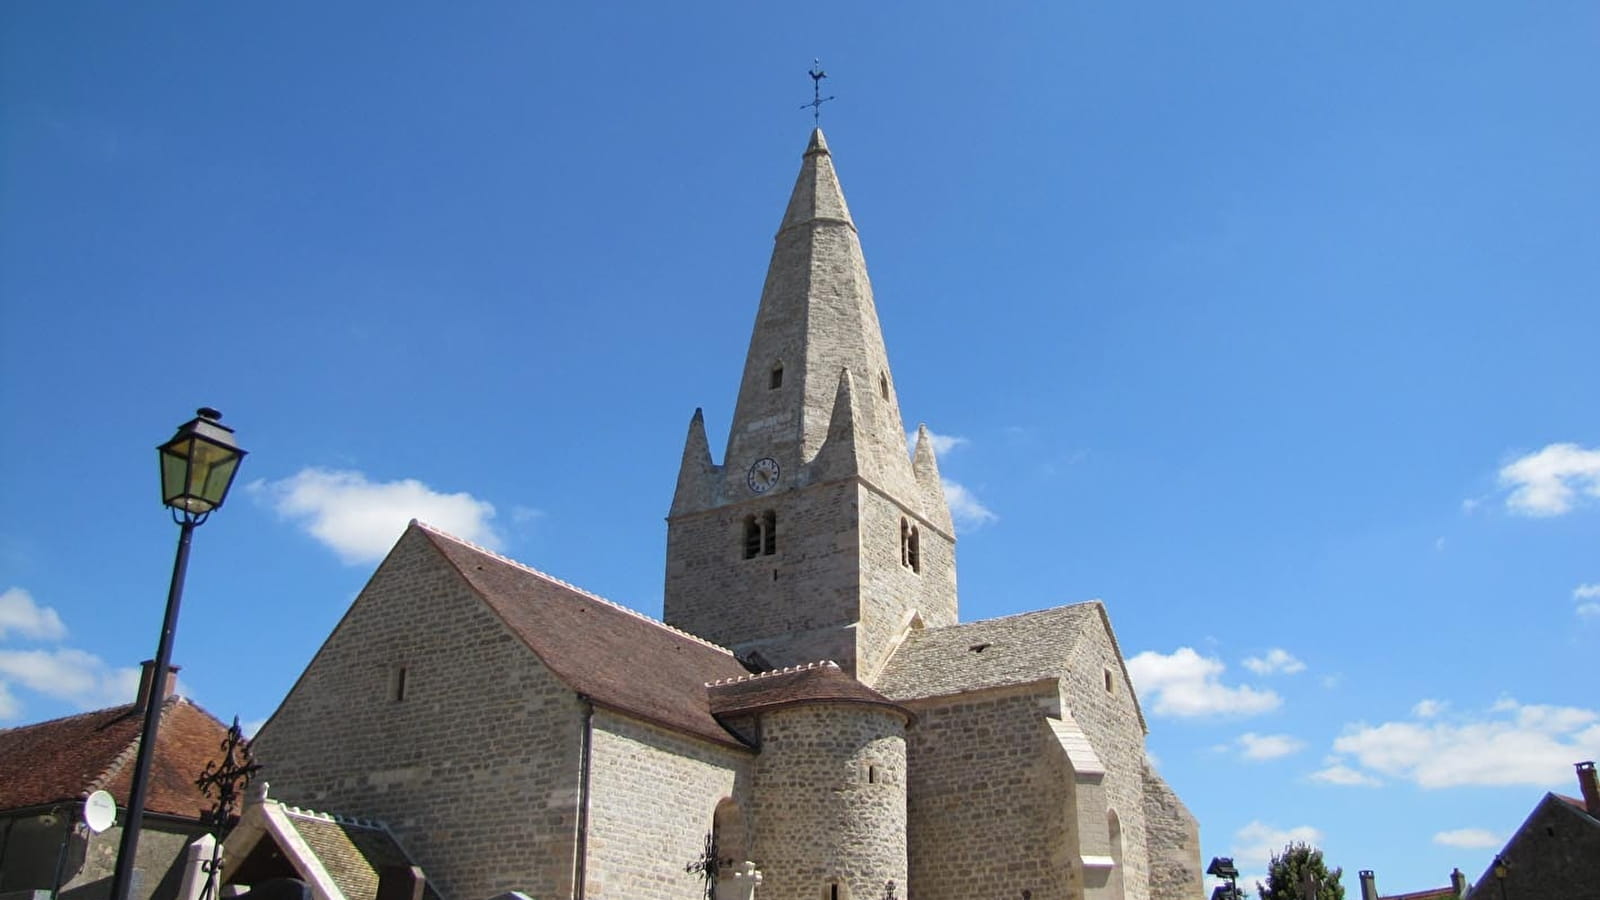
<point>817,99</point>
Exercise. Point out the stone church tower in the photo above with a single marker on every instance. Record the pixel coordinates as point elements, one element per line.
<point>818,537</point>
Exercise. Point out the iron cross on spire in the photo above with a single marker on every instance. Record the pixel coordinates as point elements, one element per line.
<point>817,99</point>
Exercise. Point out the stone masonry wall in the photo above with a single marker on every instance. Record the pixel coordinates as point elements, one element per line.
<point>652,797</point>
<point>795,606</point>
<point>475,770</point>
<point>1110,721</point>
<point>889,590</point>
<point>987,798</point>
<point>829,804</point>
<point>1174,843</point>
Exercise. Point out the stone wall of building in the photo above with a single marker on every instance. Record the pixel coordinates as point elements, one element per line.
<point>475,770</point>
<point>1555,854</point>
<point>794,606</point>
<point>889,589</point>
<point>1174,836</point>
<point>1109,717</point>
<point>988,801</point>
<point>829,805</point>
<point>652,797</point>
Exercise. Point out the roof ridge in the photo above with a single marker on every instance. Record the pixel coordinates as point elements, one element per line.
<point>786,670</point>
<point>114,768</point>
<point>567,584</point>
<point>82,715</point>
<point>1016,615</point>
<point>335,818</point>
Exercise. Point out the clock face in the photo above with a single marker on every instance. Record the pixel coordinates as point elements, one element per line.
<point>763,475</point>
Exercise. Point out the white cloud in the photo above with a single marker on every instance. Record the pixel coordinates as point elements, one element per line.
<point>20,614</point>
<point>1341,774</point>
<point>9,707</point>
<point>1276,660</point>
<point>1468,838</point>
<point>360,519</point>
<point>1254,844</point>
<point>69,674</point>
<point>942,443</point>
<point>1427,709</point>
<point>1510,744</point>
<point>1589,610</point>
<point>1545,483</point>
<point>1586,592</point>
<point>1260,747</point>
<point>1186,684</point>
<point>968,512</point>
<point>1590,595</point>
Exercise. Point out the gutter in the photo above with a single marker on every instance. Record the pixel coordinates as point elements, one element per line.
<point>580,873</point>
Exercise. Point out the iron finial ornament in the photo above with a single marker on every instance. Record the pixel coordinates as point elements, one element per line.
<point>817,99</point>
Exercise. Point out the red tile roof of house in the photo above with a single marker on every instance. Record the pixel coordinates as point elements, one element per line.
<point>618,658</point>
<point>64,760</point>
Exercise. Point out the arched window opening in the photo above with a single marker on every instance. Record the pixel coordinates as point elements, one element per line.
<point>883,385</point>
<point>1114,885</point>
<point>769,533</point>
<point>397,684</point>
<point>910,546</point>
<point>775,381</point>
<point>752,537</point>
<point>1111,684</point>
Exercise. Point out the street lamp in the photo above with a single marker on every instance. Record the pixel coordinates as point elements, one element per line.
<point>197,468</point>
<point>1501,870</point>
<point>1223,867</point>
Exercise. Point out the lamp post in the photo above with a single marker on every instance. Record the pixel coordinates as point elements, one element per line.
<point>197,468</point>
<point>1223,867</point>
<point>1501,870</point>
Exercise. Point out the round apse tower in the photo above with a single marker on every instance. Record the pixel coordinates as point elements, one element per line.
<point>828,798</point>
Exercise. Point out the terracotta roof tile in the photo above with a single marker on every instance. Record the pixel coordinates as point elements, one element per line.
<point>819,682</point>
<point>64,760</point>
<point>617,657</point>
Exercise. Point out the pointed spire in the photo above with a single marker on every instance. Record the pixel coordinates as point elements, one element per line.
<point>926,469</point>
<point>817,196</point>
<point>696,474</point>
<point>838,457</point>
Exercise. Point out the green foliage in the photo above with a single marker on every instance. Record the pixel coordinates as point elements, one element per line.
<point>1287,872</point>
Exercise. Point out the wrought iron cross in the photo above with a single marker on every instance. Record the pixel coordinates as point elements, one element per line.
<point>227,778</point>
<point>817,99</point>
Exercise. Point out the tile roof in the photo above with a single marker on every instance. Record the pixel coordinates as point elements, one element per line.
<point>64,760</point>
<point>1444,893</point>
<point>818,682</point>
<point>352,852</point>
<point>1017,649</point>
<point>618,658</point>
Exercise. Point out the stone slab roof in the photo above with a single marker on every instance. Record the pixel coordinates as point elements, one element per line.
<point>819,682</point>
<point>65,760</point>
<point>618,658</point>
<point>351,852</point>
<point>1010,650</point>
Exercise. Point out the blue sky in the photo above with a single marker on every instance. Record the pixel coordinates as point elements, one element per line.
<point>1271,325</point>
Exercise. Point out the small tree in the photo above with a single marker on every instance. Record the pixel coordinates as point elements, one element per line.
<point>1287,876</point>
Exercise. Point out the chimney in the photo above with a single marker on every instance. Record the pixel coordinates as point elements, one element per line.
<point>1458,883</point>
<point>146,675</point>
<point>1590,786</point>
<point>401,882</point>
<point>1369,885</point>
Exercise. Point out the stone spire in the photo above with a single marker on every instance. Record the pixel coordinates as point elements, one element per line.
<point>816,319</point>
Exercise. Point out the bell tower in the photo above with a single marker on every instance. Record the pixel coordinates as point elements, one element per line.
<point>818,536</point>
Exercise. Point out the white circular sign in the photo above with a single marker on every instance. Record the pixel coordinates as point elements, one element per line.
<point>99,811</point>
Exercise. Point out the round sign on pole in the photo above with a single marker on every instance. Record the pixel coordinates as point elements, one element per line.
<point>99,811</point>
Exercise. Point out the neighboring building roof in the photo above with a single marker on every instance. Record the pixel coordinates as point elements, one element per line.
<point>339,858</point>
<point>818,682</point>
<point>1444,893</point>
<point>351,852</point>
<point>65,760</point>
<point>1017,649</point>
<point>616,657</point>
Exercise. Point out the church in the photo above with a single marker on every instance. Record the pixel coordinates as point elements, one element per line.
<point>812,720</point>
